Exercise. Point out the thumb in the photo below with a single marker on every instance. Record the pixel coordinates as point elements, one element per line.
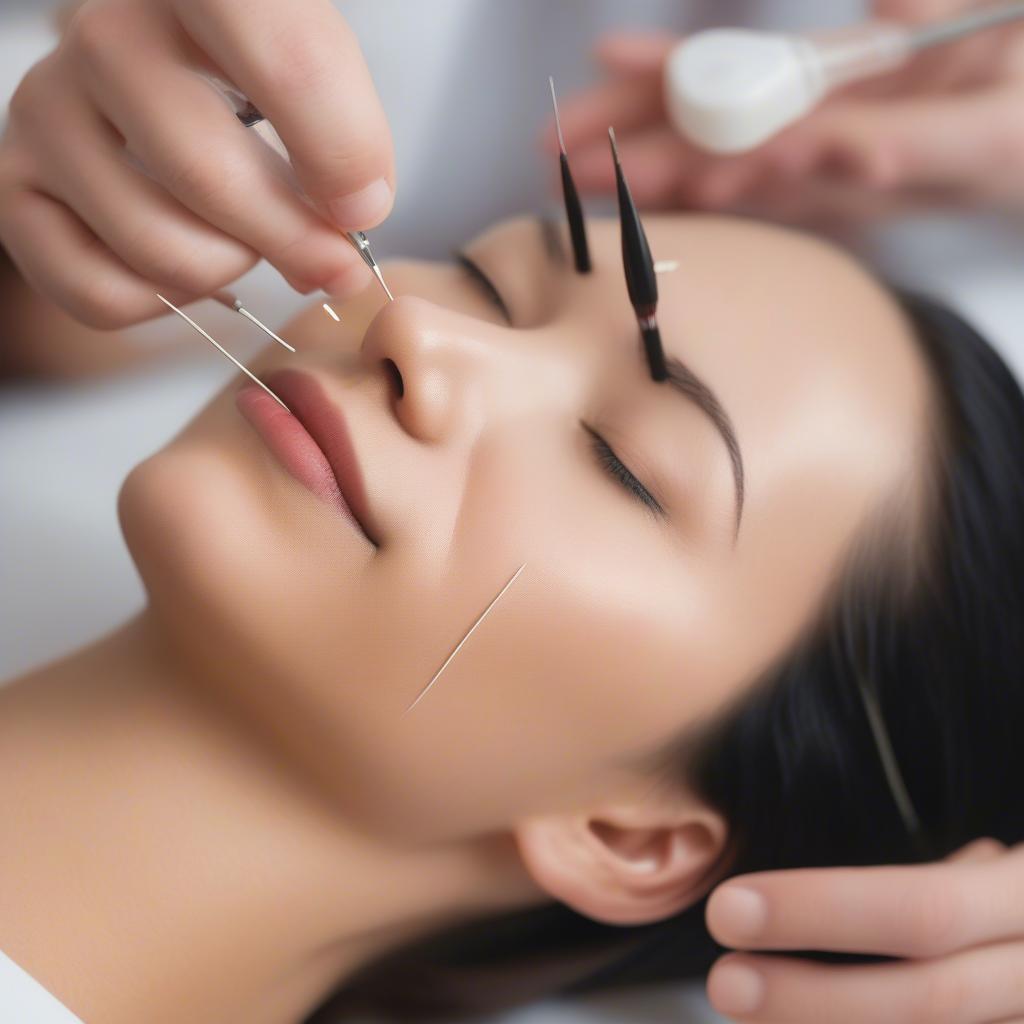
<point>979,850</point>
<point>634,53</point>
<point>928,141</point>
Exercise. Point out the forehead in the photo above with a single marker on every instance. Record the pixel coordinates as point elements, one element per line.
<point>815,365</point>
<point>804,347</point>
<point>807,352</point>
<point>752,295</point>
<point>818,368</point>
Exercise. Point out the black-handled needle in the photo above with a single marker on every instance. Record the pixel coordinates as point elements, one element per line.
<point>573,209</point>
<point>641,280</point>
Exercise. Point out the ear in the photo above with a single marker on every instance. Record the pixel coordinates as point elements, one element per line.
<point>626,863</point>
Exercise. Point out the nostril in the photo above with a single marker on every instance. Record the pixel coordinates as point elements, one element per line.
<point>396,376</point>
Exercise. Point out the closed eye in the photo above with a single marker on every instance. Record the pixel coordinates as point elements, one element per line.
<point>485,284</point>
<point>606,457</point>
<point>613,465</point>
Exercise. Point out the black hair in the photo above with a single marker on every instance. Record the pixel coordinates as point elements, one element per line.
<point>793,766</point>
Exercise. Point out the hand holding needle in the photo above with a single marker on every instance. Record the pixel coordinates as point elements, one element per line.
<point>250,117</point>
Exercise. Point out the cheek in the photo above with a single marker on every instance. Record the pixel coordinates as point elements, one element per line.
<point>585,659</point>
<point>257,583</point>
<point>575,668</point>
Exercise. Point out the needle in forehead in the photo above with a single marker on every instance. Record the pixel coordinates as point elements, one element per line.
<point>222,350</point>
<point>573,209</point>
<point>641,281</point>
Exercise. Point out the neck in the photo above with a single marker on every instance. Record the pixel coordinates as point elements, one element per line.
<point>160,863</point>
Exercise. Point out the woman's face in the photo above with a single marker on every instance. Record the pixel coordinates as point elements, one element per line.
<point>626,624</point>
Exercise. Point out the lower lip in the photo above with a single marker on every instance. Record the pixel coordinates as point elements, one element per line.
<point>289,440</point>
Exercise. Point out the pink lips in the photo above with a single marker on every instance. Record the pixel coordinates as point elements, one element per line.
<point>313,445</point>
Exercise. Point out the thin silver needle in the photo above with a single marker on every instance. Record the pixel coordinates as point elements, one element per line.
<point>362,244</point>
<point>437,675</point>
<point>221,348</point>
<point>558,123</point>
<point>225,298</point>
<point>380,277</point>
<point>264,328</point>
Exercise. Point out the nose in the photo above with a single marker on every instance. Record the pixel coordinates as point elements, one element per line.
<point>442,367</point>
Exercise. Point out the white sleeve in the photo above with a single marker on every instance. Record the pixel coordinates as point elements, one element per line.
<point>24,1000</point>
<point>26,36</point>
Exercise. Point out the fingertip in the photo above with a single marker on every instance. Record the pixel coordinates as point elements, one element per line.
<point>789,159</point>
<point>363,209</point>
<point>302,287</point>
<point>592,168</point>
<point>979,850</point>
<point>848,149</point>
<point>883,167</point>
<point>736,914</point>
<point>348,281</point>
<point>871,163</point>
<point>735,985</point>
<point>633,52</point>
<point>720,187</point>
<point>607,45</point>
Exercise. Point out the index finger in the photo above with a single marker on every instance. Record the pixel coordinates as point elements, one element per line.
<point>907,911</point>
<point>303,68</point>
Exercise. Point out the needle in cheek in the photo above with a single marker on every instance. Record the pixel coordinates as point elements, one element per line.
<point>437,674</point>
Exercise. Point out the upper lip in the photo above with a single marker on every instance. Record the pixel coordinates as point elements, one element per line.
<point>306,397</point>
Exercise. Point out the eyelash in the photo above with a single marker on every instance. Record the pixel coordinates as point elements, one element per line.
<point>606,457</point>
<point>613,465</point>
<point>485,283</point>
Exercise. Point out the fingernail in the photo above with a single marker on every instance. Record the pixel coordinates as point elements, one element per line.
<point>741,913</point>
<point>738,989</point>
<point>362,209</point>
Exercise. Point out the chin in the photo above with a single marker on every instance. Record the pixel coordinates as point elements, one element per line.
<point>232,561</point>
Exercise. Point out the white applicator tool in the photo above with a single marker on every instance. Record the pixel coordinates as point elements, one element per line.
<point>728,90</point>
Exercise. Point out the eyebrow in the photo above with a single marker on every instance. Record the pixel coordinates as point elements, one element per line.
<point>680,377</point>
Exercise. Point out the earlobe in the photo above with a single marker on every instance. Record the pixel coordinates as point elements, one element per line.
<point>624,865</point>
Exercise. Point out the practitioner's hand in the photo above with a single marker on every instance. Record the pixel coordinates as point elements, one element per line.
<point>959,923</point>
<point>99,237</point>
<point>945,130</point>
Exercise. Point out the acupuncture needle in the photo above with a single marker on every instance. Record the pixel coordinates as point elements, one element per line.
<point>362,244</point>
<point>437,674</point>
<point>225,298</point>
<point>573,208</point>
<point>638,265</point>
<point>249,116</point>
<point>222,349</point>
